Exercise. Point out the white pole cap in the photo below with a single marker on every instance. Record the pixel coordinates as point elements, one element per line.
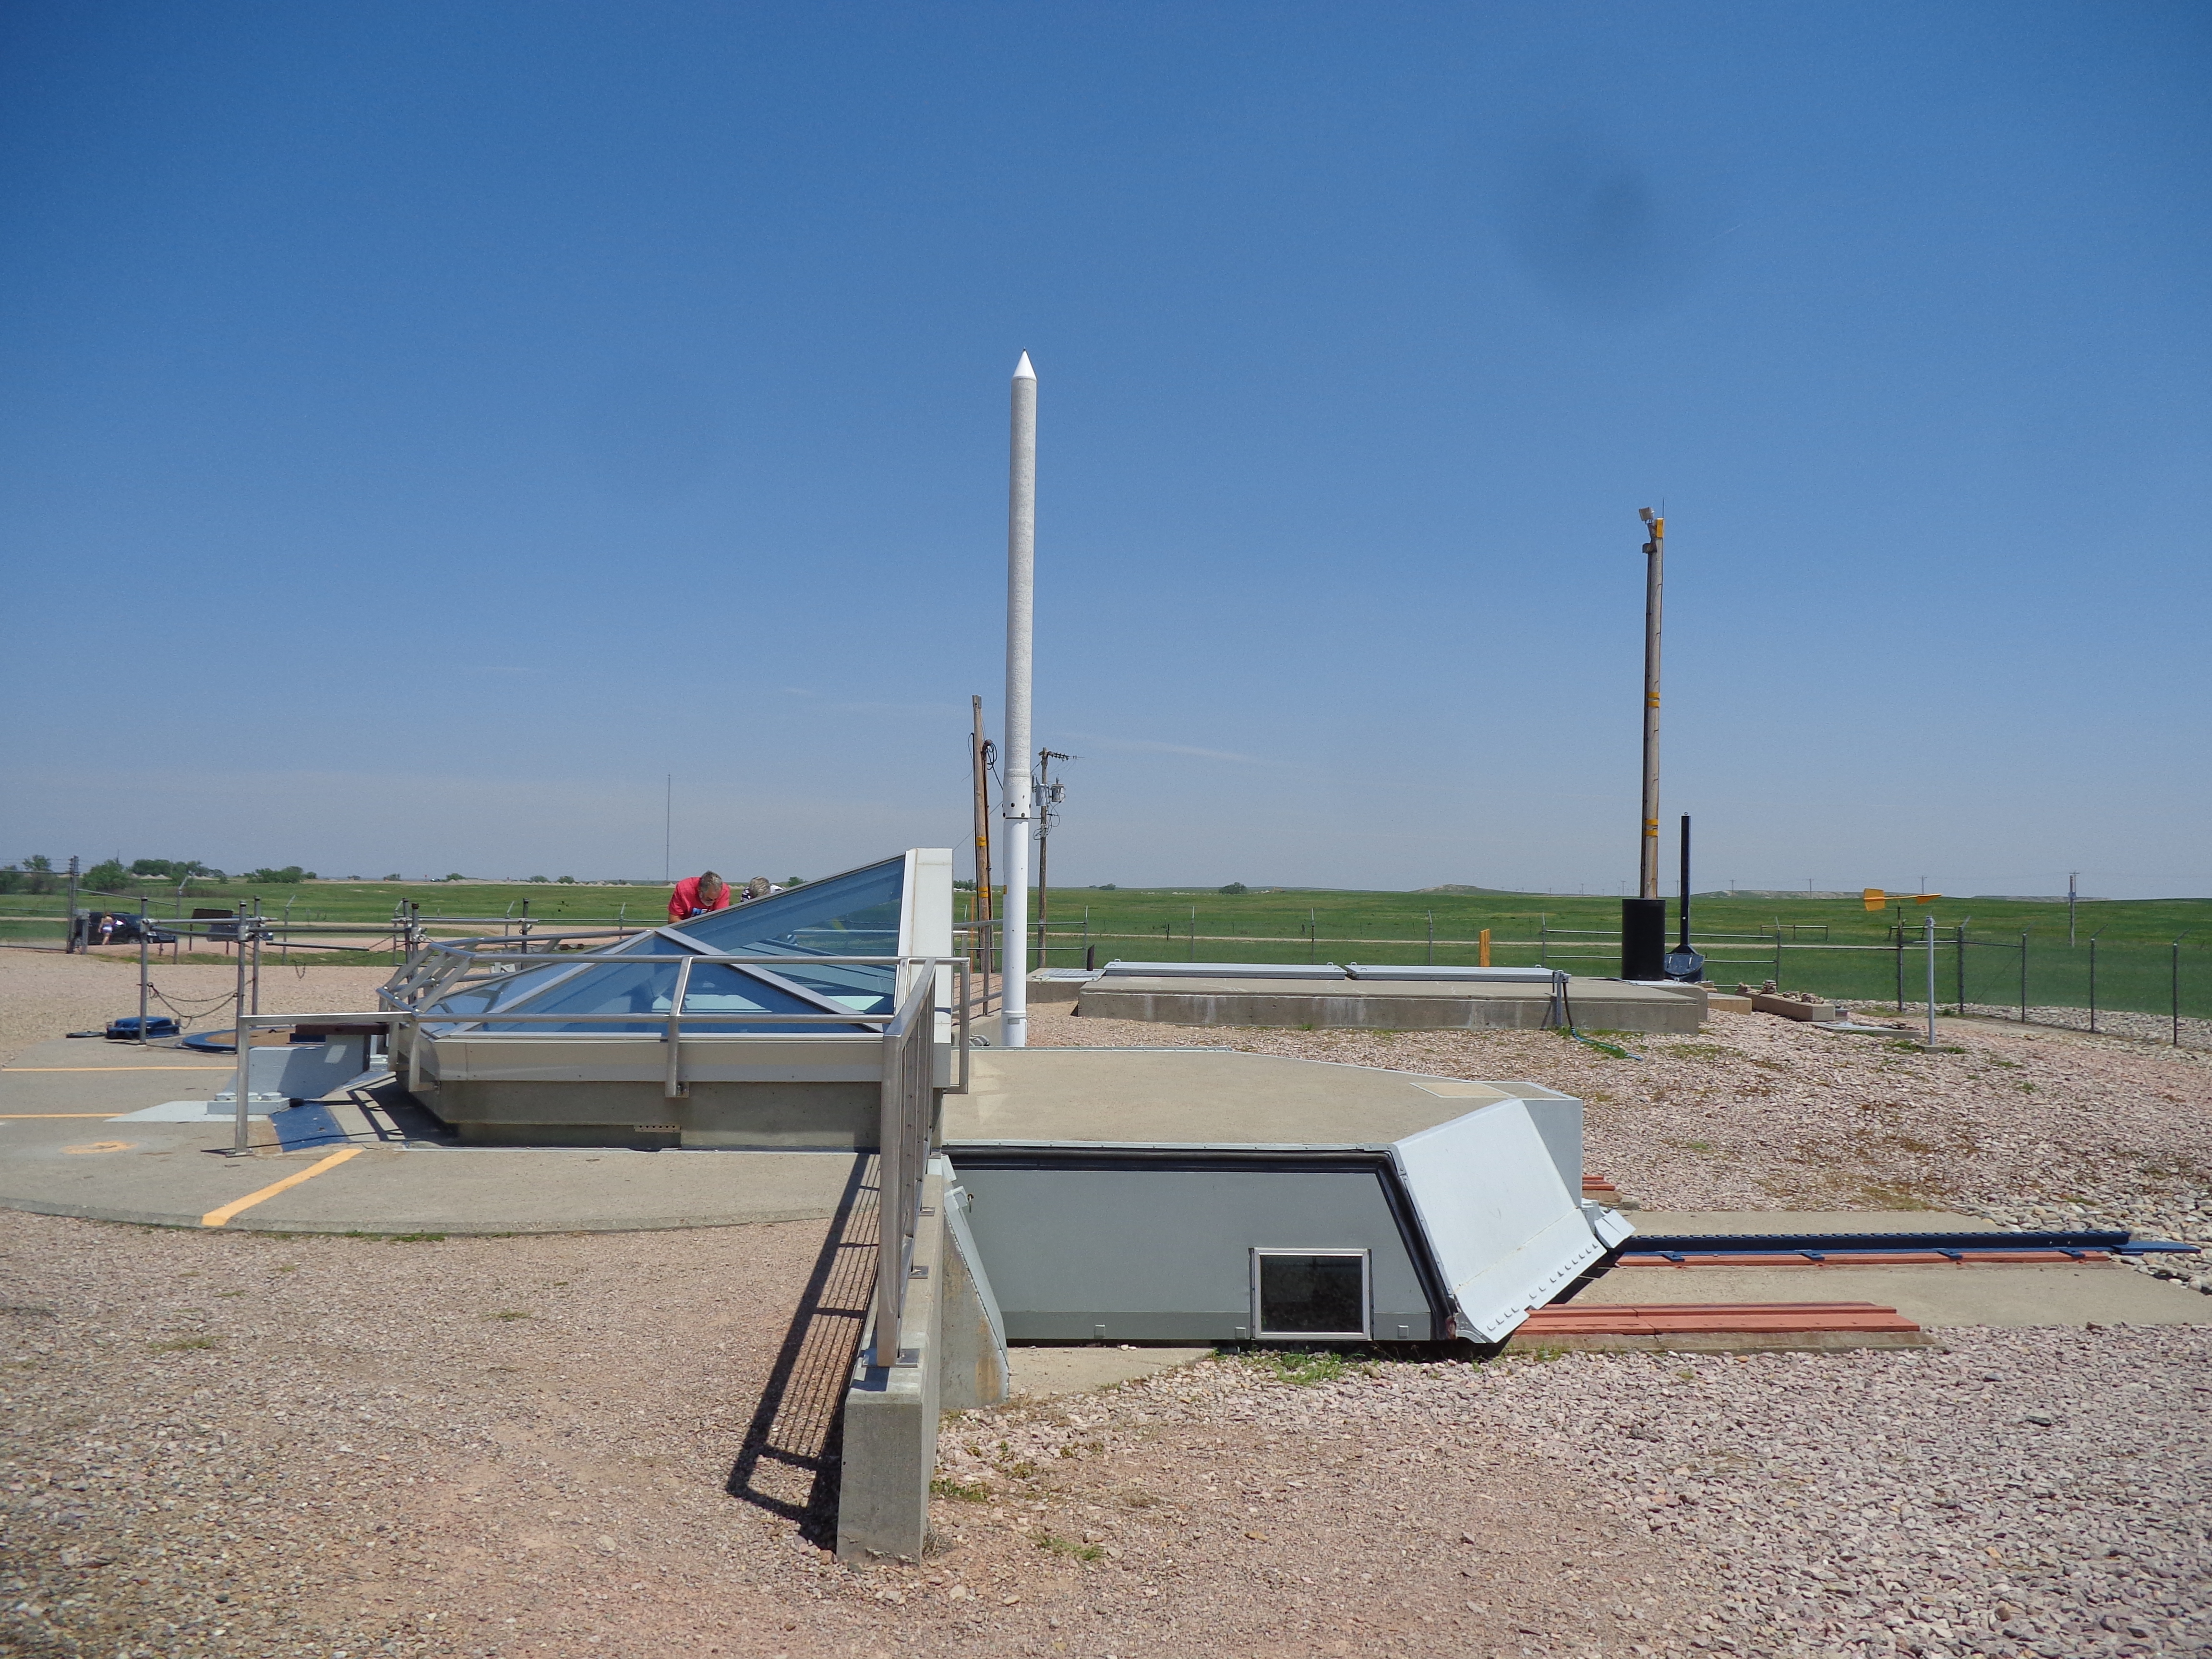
<point>1023,371</point>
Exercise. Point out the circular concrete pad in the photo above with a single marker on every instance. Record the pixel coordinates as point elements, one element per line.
<point>62,1152</point>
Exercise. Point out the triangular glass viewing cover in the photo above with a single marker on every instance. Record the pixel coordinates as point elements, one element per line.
<point>853,914</point>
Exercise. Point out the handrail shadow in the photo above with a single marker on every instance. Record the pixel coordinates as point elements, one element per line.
<point>788,1463</point>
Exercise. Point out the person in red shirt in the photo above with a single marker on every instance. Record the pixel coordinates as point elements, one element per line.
<point>695,896</point>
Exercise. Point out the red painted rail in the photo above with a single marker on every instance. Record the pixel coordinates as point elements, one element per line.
<point>1711,1318</point>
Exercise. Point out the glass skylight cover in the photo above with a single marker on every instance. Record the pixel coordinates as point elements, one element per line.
<point>856,913</point>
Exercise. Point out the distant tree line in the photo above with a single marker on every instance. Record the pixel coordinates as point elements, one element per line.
<point>37,874</point>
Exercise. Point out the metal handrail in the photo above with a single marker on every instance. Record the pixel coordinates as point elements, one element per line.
<point>905,1131</point>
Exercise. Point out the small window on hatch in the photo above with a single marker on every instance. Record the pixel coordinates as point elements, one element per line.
<point>1300,1293</point>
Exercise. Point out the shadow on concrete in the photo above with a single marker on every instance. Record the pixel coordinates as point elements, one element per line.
<point>788,1464</point>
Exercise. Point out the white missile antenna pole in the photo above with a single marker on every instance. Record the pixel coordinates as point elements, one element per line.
<point>1021,573</point>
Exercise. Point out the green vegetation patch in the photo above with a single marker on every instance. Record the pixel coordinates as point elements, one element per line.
<point>1304,1367</point>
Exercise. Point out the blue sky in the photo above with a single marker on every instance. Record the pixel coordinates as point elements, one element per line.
<point>422,428</point>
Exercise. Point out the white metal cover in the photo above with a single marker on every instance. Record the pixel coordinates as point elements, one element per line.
<point>1480,975</point>
<point>1505,1231</point>
<point>1119,970</point>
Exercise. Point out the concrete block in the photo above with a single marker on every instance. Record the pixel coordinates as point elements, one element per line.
<point>889,1449</point>
<point>1055,988</point>
<point>1718,1002</point>
<point>956,1341</point>
<point>1793,1005</point>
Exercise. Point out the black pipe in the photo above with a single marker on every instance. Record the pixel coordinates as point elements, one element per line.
<point>1686,881</point>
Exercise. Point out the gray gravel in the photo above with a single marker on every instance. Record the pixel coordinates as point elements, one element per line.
<point>2018,1493</point>
<point>256,1445</point>
<point>45,995</point>
<point>2148,1028</point>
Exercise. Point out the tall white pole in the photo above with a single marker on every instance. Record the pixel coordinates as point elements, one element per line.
<point>1021,573</point>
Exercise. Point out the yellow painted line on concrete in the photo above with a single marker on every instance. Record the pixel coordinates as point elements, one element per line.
<point>17,1117</point>
<point>217,1218</point>
<point>11,1070</point>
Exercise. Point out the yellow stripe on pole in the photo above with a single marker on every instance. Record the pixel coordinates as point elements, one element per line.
<point>217,1218</point>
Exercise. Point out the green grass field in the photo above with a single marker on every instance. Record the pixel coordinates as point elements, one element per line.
<point>2135,959</point>
<point>2134,956</point>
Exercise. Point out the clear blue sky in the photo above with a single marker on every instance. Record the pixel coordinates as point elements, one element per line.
<point>424,427</point>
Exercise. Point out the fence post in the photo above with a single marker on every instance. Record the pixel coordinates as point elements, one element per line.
<point>1930,937</point>
<point>1543,941</point>
<point>1897,932</point>
<point>1313,938</point>
<point>1432,939</point>
<point>2177,994</point>
<point>1194,933</point>
<point>1777,953</point>
<point>2023,975</point>
<point>1962,947</point>
<point>2093,980</point>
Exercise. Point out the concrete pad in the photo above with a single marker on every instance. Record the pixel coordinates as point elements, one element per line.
<point>1692,1223</point>
<point>190,1111</point>
<point>63,1152</point>
<point>1040,1373</point>
<point>1935,1296</point>
<point>1389,1005</point>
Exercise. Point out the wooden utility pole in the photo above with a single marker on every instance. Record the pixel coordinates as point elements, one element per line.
<point>979,764</point>
<point>1644,918</point>
<point>1048,815</point>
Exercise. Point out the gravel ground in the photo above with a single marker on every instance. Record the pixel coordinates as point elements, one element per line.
<point>44,994</point>
<point>2150,1028</point>
<point>536,1448</point>
<point>261,1446</point>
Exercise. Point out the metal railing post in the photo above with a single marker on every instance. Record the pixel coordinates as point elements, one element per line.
<point>672,1086</point>
<point>890,1269</point>
<point>237,1147</point>
<point>147,987</point>
<point>1961,948</point>
<point>2023,975</point>
<point>1931,983</point>
<point>2093,980</point>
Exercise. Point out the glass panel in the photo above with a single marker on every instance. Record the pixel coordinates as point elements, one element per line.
<point>642,987</point>
<point>716,989</point>
<point>854,914</point>
<point>516,988</point>
<point>1313,1294</point>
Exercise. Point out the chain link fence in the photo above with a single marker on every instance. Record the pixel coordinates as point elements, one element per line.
<point>2135,989</point>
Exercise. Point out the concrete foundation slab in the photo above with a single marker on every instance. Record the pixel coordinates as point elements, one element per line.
<point>1041,1372</point>
<point>1390,1004</point>
<point>1692,1223</point>
<point>1929,1296</point>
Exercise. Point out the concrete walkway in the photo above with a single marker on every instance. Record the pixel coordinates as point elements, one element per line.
<point>1933,1296</point>
<point>365,1168</point>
